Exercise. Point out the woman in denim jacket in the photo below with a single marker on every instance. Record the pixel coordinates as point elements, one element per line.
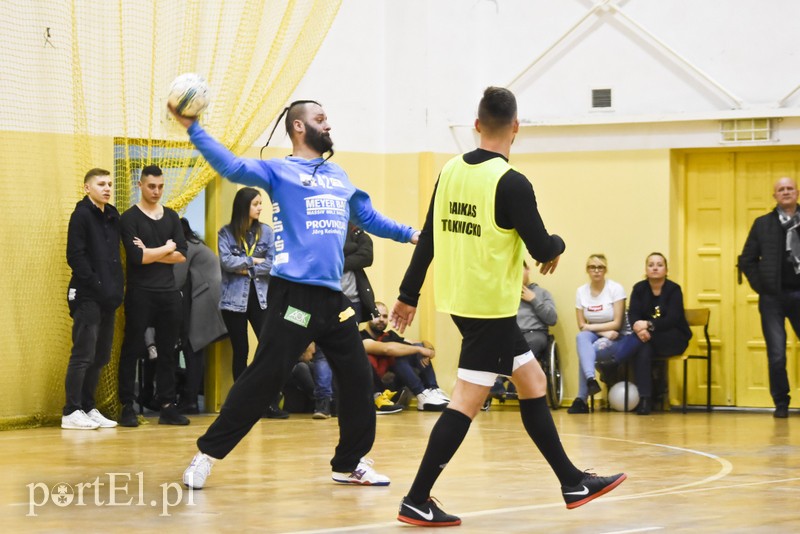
<point>246,251</point>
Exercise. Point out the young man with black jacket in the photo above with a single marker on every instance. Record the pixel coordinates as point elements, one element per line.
<point>95,292</point>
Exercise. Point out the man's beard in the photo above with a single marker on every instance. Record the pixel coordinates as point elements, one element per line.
<point>319,141</point>
<point>378,328</point>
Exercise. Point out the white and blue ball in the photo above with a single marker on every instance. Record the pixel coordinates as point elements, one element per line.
<point>188,95</point>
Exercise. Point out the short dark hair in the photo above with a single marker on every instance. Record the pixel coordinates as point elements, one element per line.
<point>497,109</point>
<point>151,170</point>
<point>95,172</point>
<point>295,111</point>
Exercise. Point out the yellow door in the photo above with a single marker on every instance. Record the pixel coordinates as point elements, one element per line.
<point>710,258</point>
<point>755,176</point>
<point>725,192</point>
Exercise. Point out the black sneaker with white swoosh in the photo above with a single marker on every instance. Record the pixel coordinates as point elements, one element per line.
<point>426,514</point>
<point>590,487</point>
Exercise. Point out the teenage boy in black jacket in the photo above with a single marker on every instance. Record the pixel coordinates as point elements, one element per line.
<point>95,292</point>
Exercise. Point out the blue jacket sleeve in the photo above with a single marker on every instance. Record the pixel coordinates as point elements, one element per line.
<point>363,215</point>
<point>230,262</point>
<point>246,171</point>
<point>267,238</point>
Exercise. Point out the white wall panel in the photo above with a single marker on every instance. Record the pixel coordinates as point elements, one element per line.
<point>394,75</point>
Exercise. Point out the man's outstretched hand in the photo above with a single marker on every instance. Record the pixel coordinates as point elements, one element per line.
<point>549,266</point>
<point>402,315</point>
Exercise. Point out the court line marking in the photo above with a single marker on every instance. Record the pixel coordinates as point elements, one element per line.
<point>552,505</point>
<point>725,468</point>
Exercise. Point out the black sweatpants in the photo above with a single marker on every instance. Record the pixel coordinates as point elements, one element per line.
<point>296,315</point>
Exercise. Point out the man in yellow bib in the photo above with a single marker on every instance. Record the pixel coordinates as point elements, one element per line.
<point>481,218</point>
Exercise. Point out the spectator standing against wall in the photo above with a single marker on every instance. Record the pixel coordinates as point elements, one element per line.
<point>246,249</point>
<point>153,239</point>
<point>199,280</point>
<point>95,292</point>
<point>770,260</point>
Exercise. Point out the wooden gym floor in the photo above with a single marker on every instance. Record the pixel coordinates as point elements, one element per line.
<point>699,472</point>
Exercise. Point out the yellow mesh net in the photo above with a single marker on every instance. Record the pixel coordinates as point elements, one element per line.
<point>84,84</point>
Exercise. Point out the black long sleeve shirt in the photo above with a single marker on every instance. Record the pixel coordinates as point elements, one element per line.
<point>514,207</point>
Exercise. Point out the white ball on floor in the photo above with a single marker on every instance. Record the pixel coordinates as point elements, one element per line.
<point>616,396</point>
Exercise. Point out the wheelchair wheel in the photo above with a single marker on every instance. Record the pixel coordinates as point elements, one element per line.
<point>555,386</point>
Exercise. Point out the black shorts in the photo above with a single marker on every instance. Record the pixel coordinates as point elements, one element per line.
<point>490,344</point>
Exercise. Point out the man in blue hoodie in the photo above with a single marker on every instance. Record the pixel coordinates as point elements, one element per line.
<point>313,202</point>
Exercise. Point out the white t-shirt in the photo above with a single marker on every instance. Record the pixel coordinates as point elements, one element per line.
<point>599,309</point>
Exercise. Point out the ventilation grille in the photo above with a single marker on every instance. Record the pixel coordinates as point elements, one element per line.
<point>601,98</point>
<point>745,130</point>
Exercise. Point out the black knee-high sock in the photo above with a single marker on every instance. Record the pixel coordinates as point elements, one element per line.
<point>446,437</point>
<point>539,423</point>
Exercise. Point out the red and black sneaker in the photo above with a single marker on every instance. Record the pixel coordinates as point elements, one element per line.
<point>590,487</point>
<point>426,514</point>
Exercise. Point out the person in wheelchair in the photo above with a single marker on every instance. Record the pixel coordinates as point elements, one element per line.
<point>536,313</point>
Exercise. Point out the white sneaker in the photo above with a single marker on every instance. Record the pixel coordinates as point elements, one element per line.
<point>98,418</point>
<point>78,420</point>
<point>196,474</point>
<point>363,474</point>
<point>431,401</point>
<point>442,394</point>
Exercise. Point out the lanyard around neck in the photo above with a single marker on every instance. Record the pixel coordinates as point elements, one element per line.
<point>249,250</point>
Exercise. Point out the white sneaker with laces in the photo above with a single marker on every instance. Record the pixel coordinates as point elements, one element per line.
<point>442,394</point>
<point>363,474</point>
<point>196,474</point>
<point>98,418</point>
<point>78,420</point>
<point>431,401</point>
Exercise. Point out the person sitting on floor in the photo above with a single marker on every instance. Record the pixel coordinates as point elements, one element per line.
<point>410,363</point>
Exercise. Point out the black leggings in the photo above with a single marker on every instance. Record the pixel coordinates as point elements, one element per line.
<point>236,323</point>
